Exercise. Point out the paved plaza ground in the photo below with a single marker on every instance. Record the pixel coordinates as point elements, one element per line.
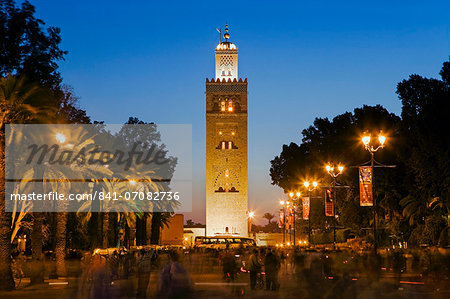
<point>211,285</point>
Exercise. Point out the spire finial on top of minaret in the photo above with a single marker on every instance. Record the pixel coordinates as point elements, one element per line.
<point>225,45</point>
<point>226,34</point>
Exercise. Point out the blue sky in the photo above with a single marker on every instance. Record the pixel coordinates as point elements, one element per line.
<point>302,59</point>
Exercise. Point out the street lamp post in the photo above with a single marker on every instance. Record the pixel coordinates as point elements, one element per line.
<point>290,231</point>
<point>250,216</point>
<point>331,171</point>
<point>284,222</point>
<point>372,149</point>
<point>309,189</point>
<point>297,196</point>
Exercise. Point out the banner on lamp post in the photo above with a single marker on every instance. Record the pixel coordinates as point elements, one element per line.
<point>306,205</point>
<point>329,202</point>
<point>281,218</point>
<point>365,186</point>
<point>291,217</point>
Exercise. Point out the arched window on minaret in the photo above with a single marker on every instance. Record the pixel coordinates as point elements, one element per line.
<point>230,106</point>
<point>226,105</point>
<point>226,145</point>
<point>227,181</point>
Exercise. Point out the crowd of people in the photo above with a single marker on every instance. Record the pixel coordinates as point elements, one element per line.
<point>102,271</point>
<point>260,267</point>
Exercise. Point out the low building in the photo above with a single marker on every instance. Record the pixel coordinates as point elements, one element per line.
<point>268,239</point>
<point>192,231</point>
<point>173,233</point>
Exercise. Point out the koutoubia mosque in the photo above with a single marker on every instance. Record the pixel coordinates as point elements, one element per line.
<point>226,145</point>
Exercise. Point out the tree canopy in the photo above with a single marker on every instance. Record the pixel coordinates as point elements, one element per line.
<point>417,143</point>
<point>31,52</point>
<point>26,47</point>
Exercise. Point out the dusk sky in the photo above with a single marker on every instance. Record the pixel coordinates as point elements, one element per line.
<point>302,59</point>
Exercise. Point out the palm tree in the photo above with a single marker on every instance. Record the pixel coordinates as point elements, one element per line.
<point>159,220</point>
<point>269,217</point>
<point>143,180</point>
<point>18,217</point>
<point>60,178</point>
<point>414,208</point>
<point>15,98</point>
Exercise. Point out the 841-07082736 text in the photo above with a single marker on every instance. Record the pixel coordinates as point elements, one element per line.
<point>98,195</point>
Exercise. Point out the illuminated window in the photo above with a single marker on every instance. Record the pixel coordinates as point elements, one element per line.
<point>226,145</point>
<point>226,105</point>
<point>229,72</point>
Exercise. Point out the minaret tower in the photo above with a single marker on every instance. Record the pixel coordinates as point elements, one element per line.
<point>226,146</point>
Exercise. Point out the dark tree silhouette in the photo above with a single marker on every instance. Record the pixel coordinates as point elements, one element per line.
<point>269,217</point>
<point>418,144</point>
<point>338,140</point>
<point>26,48</point>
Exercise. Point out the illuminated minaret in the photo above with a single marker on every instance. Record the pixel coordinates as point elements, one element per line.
<point>226,59</point>
<point>226,145</point>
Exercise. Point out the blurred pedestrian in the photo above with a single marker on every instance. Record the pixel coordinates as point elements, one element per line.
<point>101,278</point>
<point>143,274</point>
<point>126,263</point>
<point>272,267</point>
<point>228,264</point>
<point>299,262</point>
<point>398,264</point>
<point>174,280</point>
<point>114,264</point>
<point>254,267</point>
<point>373,267</point>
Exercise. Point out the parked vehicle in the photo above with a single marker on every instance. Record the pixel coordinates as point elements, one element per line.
<point>222,242</point>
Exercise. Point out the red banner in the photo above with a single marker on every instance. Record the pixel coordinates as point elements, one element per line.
<point>329,202</point>
<point>291,217</point>
<point>281,218</point>
<point>306,205</point>
<point>365,186</point>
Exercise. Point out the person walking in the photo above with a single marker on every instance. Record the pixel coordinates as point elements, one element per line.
<point>174,280</point>
<point>228,264</point>
<point>101,278</point>
<point>144,268</point>
<point>272,267</point>
<point>254,267</point>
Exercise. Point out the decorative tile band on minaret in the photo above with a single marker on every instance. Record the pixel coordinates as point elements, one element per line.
<point>226,145</point>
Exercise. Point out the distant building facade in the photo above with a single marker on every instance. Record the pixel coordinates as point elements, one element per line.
<point>268,239</point>
<point>173,233</point>
<point>191,232</point>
